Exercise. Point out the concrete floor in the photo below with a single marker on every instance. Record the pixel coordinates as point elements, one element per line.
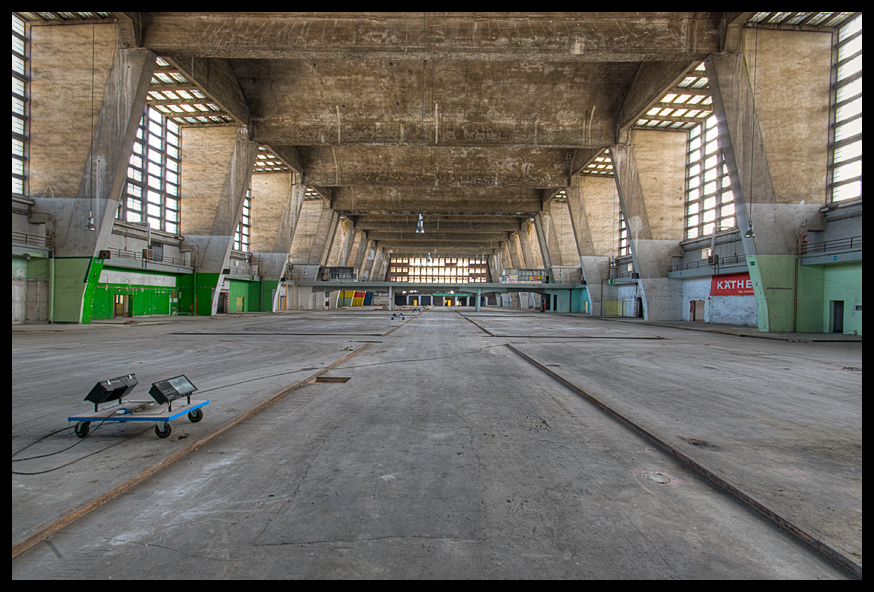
<point>450,452</point>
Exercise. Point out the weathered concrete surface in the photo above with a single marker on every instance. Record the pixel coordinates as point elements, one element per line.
<point>445,455</point>
<point>779,418</point>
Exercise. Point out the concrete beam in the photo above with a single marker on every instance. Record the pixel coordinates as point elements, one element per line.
<point>415,200</point>
<point>382,104</point>
<point>384,166</point>
<point>650,83</point>
<point>217,79</point>
<point>584,37</point>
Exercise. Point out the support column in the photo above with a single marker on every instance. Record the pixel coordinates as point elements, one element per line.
<point>366,259</point>
<point>376,266</point>
<point>545,232</point>
<point>276,205</point>
<point>88,99</point>
<point>506,256</point>
<point>513,244</point>
<point>593,205</point>
<point>349,234</point>
<point>650,177</point>
<point>772,115</point>
<point>218,163</point>
<point>324,237</point>
<point>495,266</point>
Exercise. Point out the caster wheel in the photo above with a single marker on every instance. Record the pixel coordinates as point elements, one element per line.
<point>163,433</point>
<point>82,428</point>
<point>195,416</point>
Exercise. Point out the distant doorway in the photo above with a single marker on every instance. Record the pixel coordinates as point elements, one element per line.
<point>121,305</point>
<point>836,316</point>
<point>696,310</point>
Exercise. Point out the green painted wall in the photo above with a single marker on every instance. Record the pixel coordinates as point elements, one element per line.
<point>267,288</point>
<point>75,283</point>
<point>237,290</point>
<point>773,278</point>
<point>144,299</point>
<point>579,300</point>
<point>818,285</point>
<point>843,281</point>
<point>195,293</point>
<point>810,295</point>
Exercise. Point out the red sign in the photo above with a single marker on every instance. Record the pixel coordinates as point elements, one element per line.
<point>733,284</point>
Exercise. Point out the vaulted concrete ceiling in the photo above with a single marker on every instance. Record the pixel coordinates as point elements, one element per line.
<point>473,120</point>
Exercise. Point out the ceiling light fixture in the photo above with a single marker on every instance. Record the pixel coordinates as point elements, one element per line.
<point>420,229</point>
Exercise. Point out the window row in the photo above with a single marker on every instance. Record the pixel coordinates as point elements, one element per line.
<point>152,193</point>
<point>845,167</point>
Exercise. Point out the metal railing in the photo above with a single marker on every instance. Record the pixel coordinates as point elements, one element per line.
<point>738,259</point>
<point>138,256</point>
<point>853,243</point>
<point>31,240</point>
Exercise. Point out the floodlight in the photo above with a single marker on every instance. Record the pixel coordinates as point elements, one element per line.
<point>170,389</point>
<point>112,389</point>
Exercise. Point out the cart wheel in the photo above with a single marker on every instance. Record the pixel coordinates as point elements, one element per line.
<point>165,432</point>
<point>82,428</point>
<point>195,416</point>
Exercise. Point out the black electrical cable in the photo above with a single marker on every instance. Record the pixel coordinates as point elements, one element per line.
<point>57,451</point>
<point>205,391</point>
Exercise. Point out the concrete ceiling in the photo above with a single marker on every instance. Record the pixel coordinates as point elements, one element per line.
<point>473,120</point>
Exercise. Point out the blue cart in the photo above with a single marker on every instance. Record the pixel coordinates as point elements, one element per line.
<point>165,394</point>
<point>161,415</point>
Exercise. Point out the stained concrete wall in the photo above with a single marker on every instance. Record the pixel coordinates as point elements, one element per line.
<point>731,310</point>
<point>650,177</point>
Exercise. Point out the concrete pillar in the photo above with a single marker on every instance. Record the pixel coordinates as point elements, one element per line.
<point>88,97</point>
<point>772,108</point>
<point>506,255</point>
<point>383,270</point>
<point>218,164</point>
<point>275,210</point>
<point>593,206</point>
<point>305,232</point>
<point>376,267</point>
<point>365,257</point>
<point>358,251</point>
<point>343,242</point>
<point>515,247</point>
<point>324,237</point>
<point>561,241</point>
<point>650,177</point>
<point>367,266</point>
<point>545,236</point>
<point>495,266</point>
